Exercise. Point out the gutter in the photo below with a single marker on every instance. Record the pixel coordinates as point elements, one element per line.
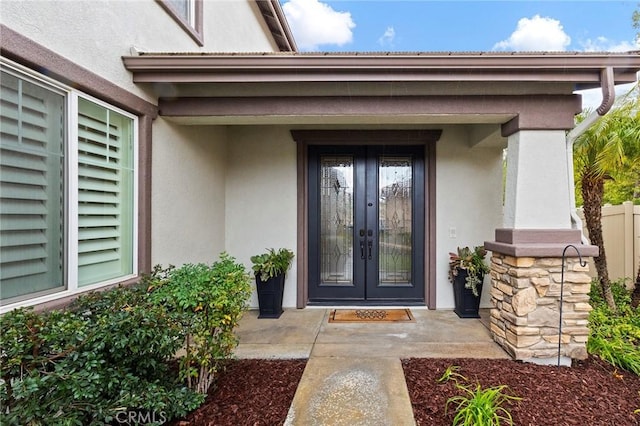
<point>273,16</point>
<point>608,99</point>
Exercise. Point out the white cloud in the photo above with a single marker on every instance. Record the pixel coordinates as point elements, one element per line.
<point>536,34</point>
<point>314,23</point>
<point>603,44</point>
<point>592,98</point>
<point>388,37</point>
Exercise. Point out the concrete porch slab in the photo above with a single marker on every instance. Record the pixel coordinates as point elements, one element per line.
<point>429,326</point>
<point>294,326</point>
<point>304,333</point>
<point>291,336</point>
<point>273,351</point>
<point>411,350</point>
<point>434,334</point>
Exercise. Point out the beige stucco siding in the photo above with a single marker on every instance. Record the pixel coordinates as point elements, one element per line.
<point>235,26</point>
<point>188,193</point>
<point>468,202</point>
<point>261,193</point>
<point>261,196</point>
<point>96,34</point>
<point>223,189</point>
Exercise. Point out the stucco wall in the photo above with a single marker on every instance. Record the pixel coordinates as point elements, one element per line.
<point>188,193</point>
<point>96,34</point>
<point>261,196</point>
<point>468,203</point>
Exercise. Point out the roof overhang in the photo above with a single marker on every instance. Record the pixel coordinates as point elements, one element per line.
<point>580,69</point>
<point>514,90</point>
<point>525,111</point>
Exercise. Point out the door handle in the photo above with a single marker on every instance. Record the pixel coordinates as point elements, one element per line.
<point>370,246</point>
<point>361,249</point>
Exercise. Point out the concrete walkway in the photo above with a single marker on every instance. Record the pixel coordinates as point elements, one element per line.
<point>354,375</point>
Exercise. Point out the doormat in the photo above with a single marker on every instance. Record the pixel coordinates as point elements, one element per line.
<point>371,315</point>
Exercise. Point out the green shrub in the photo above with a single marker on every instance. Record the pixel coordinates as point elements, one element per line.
<point>207,302</point>
<point>105,355</point>
<point>111,352</point>
<point>615,336</point>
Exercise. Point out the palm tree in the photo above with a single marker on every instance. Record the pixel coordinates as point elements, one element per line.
<point>611,144</point>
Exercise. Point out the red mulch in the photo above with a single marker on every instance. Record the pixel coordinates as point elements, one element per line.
<point>250,392</point>
<point>259,392</point>
<point>589,393</point>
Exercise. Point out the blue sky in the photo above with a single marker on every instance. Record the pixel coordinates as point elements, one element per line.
<point>458,25</point>
<point>427,25</point>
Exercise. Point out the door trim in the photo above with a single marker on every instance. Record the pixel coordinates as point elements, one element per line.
<point>426,137</point>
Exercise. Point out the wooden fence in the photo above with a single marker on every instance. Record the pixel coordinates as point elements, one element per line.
<point>621,234</point>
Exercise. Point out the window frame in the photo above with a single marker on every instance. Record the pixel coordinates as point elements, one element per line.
<point>36,80</point>
<point>193,29</point>
<point>71,188</point>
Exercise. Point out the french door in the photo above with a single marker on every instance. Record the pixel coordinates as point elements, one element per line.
<point>366,224</point>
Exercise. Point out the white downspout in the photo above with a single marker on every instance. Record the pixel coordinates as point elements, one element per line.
<point>608,98</point>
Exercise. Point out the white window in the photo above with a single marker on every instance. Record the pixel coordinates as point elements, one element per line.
<point>67,190</point>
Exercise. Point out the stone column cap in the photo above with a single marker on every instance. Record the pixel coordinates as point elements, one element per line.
<point>539,243</point>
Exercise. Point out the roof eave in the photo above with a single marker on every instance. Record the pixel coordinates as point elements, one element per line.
<point>273,16</point>
<point>579,69</point>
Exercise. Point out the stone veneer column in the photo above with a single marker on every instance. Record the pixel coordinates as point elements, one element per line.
<point>525,292</point>
<point>527,253</point>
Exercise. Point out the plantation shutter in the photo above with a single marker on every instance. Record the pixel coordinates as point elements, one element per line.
<point>31,188</point>
<point>105,194</point>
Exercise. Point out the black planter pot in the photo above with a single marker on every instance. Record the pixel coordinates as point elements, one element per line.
<point>467,305</point>
<point>270,295</point>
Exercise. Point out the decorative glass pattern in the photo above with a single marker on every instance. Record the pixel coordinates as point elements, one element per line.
<point>395,214</point>
<point>336,220</point>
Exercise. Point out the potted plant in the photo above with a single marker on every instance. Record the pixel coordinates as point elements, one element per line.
<point>466,272</point>
<point>270,269</point>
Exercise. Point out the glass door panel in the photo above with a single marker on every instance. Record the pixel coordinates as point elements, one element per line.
<point>336,220</point>
<point>395,212</point>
